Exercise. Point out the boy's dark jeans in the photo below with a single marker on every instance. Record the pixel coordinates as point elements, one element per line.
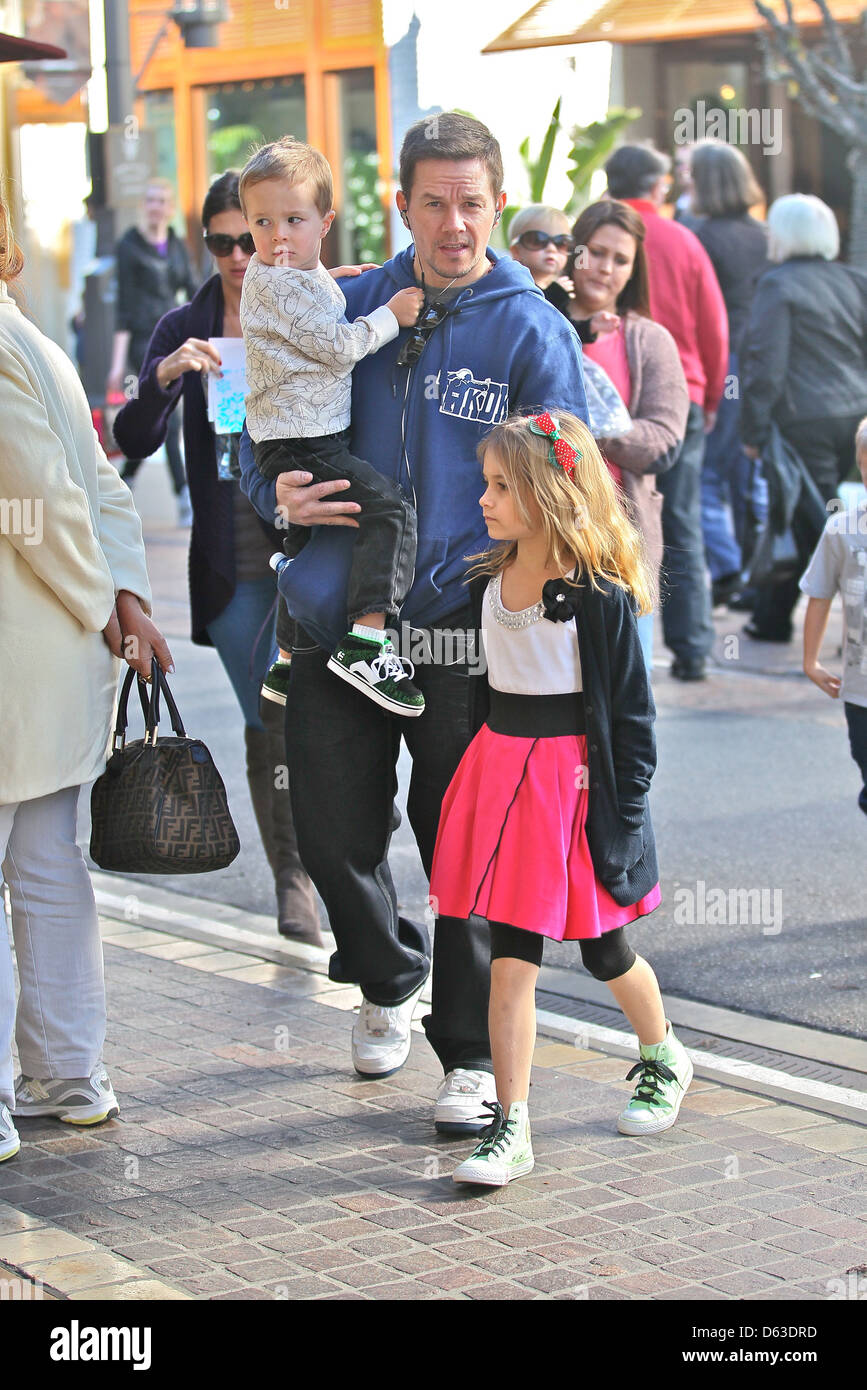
<point>342,755</point>
<point>383,559</point>
<point>856,718</point>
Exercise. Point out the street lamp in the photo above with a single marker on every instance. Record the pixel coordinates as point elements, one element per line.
<point>198,20</point>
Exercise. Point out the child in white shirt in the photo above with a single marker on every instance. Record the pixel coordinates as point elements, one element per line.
<point>300,352</point>
<point>839,565</point>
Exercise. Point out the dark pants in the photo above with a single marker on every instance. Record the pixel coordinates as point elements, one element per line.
<point>342,754</point>
<point>827,448</point>
<point>686,613</point>
<point>856,718</point>
<point>173,455</point>
<point>383,558</point>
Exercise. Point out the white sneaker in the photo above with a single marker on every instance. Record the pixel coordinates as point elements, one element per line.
<point>9,1140</point>
<point>77,1100</point>
<point>460,1107</point>
<point>381,1036</point>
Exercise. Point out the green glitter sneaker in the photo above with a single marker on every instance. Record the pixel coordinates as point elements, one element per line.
<point>275,686</point>
<point>664,1073</point>
<point>504,1151</point>
<point>378,672</point>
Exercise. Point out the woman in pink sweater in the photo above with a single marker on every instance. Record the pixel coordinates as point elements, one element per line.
<point>609,275</point>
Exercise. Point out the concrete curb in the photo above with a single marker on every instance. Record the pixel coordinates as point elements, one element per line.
<point>246,933</point>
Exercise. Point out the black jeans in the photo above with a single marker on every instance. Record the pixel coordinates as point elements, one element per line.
<point>342,754</point>
<point>174,457</point>
<point>827,448</point>
<point>383,558</point>
<point>856,718</point>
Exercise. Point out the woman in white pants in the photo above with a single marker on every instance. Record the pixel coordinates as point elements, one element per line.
<point>74,596</point>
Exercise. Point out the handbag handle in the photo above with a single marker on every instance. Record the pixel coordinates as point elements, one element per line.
<point>150,707</point>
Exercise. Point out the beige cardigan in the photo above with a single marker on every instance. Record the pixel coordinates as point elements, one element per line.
<point>70,539</point>
<point>659,406</point>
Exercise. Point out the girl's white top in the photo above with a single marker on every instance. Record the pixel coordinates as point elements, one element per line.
<point>527,653</point>
<point>300,350</point>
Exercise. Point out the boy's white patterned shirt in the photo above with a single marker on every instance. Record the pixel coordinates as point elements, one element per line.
<point>300,350</point>
<point>839,565</point>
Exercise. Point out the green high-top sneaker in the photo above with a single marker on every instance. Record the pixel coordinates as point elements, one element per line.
<point>504,1151</point>
<point>664,1073</point>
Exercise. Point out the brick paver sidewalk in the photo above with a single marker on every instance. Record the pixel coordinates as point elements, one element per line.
<point>250,1161</point>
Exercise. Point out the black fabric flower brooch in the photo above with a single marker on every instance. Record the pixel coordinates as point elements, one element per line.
<point>559,601</point>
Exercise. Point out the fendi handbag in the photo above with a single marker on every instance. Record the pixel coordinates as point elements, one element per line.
<point>160,807</point>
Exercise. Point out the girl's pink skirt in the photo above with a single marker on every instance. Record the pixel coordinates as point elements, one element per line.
<point>512,844</point>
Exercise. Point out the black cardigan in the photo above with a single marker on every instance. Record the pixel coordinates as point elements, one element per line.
<point>621,746</point>
<point>140,429</point>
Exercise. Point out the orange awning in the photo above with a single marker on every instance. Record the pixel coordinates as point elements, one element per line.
<point>647,21</point>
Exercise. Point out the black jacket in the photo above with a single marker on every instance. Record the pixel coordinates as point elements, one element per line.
<point>738,249</point>
<point>804,356</point>
<point>140,429</point>
<point>621,746</point>
<point>147,287</point>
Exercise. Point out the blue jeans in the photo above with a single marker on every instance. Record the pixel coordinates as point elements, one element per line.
<point>243,635</point>
<point>733,491</point>
<point>686,613</point>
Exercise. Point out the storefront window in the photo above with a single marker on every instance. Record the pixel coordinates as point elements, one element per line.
<point>241,115</point>
<point>360,225</point>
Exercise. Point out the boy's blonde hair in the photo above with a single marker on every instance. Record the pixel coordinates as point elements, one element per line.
<point>292,160</point>
<point>538,216</point>
<point>861,436</point>
<point>582,517</point>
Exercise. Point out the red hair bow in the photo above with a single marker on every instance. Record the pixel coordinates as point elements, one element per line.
<point>558,449</point>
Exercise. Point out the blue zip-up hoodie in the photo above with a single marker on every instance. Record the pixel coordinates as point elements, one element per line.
<point>502,349</point>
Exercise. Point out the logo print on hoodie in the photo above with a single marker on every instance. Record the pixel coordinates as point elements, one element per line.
<point>487,401</point>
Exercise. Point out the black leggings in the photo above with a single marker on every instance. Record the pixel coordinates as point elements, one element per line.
<point>606,957</point>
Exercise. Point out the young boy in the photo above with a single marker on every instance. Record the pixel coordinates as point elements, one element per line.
<point>300,353</point>
<point>540,238</point>
<point>839,565</point>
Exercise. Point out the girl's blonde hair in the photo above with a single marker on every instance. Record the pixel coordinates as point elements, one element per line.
<point>582,517</point>
<point>11,257</point>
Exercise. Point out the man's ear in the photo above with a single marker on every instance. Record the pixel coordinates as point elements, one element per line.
<point>401,203</point>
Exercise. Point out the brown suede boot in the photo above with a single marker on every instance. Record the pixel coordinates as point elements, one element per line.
<point>297,911</point>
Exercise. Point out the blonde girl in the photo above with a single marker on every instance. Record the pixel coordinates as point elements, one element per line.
<point>545,830</point>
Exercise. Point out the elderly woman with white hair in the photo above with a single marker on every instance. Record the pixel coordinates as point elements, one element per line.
<point>804,367</point>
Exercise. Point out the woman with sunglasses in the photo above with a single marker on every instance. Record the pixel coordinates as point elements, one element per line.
<point>231,584</point>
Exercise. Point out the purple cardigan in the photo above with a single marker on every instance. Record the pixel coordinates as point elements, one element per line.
<point>140,429</point>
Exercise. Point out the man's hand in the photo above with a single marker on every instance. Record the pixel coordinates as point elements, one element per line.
<point>142,639</point>
<point>301,502</point>
<point>195,355</point>
<point>825,681</point>
<point>709,421</point>
<point>405,306</point>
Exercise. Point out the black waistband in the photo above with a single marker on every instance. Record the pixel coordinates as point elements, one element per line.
<point>536,716</point>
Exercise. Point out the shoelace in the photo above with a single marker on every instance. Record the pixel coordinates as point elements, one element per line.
<point>498,1132</point>
<point>377,1020</point>
<point>389,664</point>
<point>652,1076</point>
